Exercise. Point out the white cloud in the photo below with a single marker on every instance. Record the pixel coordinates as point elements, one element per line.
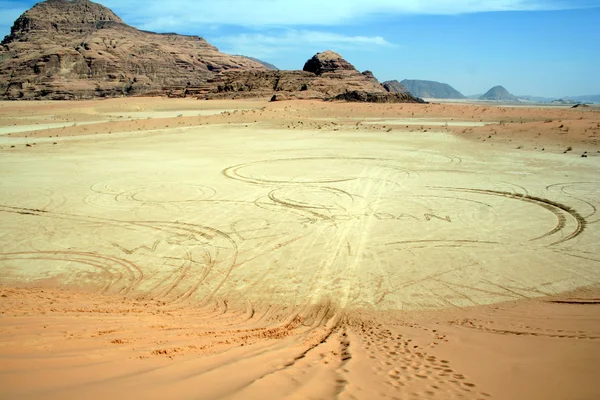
<point>260,44</point>
<point>161,15</point>
<point>202,15</point>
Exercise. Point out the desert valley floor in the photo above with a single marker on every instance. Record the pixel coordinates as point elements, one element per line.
<point>162,248</point>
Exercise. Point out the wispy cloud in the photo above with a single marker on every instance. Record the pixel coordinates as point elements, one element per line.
<point>198,15</point>
<point>278,41</point>
<point>162,15</point>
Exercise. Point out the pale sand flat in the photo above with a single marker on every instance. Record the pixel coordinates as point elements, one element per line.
<point>288,251</point>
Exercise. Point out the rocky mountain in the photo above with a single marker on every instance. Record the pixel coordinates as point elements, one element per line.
<point>431,89</point>
<point>395,87</point>
<point>498,93</point>
<point>326,76</point>
<point>76,49</point>
<point>264,63</point>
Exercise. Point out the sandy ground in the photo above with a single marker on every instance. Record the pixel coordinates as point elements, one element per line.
<point>158,248</point>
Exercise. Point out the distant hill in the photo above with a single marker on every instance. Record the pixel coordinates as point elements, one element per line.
<point>540,99</point>
<point>266,64</point>
<point>431,89</point>
<point>535,99</point>
<point>395,87</point>
<point>498,93</point>
<point>585,99</point>
<point>563,101</point>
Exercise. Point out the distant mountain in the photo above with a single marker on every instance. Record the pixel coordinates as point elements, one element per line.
<point>266,64</point>
<point>431,89</point>
<point>563,101</point>
<point>395,87</point>
<point>498,93</point>
<point>585,99</point>
<point>535,99</point>
<point>541,99</point>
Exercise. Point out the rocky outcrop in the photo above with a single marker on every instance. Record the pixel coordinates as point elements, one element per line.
<point>247,84</point>
<point>327,61</point>
<point>498,93</point>
<point>377,97</point>
<point>77,49</point>
<point>326,76</point>
<point>395,87</point>
<point>431,89</point>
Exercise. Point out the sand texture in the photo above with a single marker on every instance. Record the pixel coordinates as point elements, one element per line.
<point>156,248</point>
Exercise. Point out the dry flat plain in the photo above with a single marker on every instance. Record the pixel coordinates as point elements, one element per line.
<point>160,248</point>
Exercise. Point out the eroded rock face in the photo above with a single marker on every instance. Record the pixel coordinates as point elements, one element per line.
<point>78,49</point>
<point>370,97</point>
<point>327,77</point>
<point>327,61</point>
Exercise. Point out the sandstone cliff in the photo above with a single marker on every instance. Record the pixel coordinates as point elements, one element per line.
<point>62,49</point>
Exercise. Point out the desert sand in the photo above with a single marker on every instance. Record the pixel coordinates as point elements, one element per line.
<point>162,248</point>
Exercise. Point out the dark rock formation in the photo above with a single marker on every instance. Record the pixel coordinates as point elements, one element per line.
<point>377,97</point>
<point>431,89</point>
<point>395,87</point>
<point>327,61</point>
<point>498,93</point>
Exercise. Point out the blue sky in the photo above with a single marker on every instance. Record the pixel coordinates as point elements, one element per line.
<point>537,47</point>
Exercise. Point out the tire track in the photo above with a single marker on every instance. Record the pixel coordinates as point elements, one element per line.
<point>559,210</point>
<point>212,241</point>
<point>110,265</point>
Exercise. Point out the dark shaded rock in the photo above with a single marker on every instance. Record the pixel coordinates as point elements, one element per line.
<point>369,74</point>
<point>279,97</point>
<point>327,61</point>
<point>377,97</point>
<point>395,87</point>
